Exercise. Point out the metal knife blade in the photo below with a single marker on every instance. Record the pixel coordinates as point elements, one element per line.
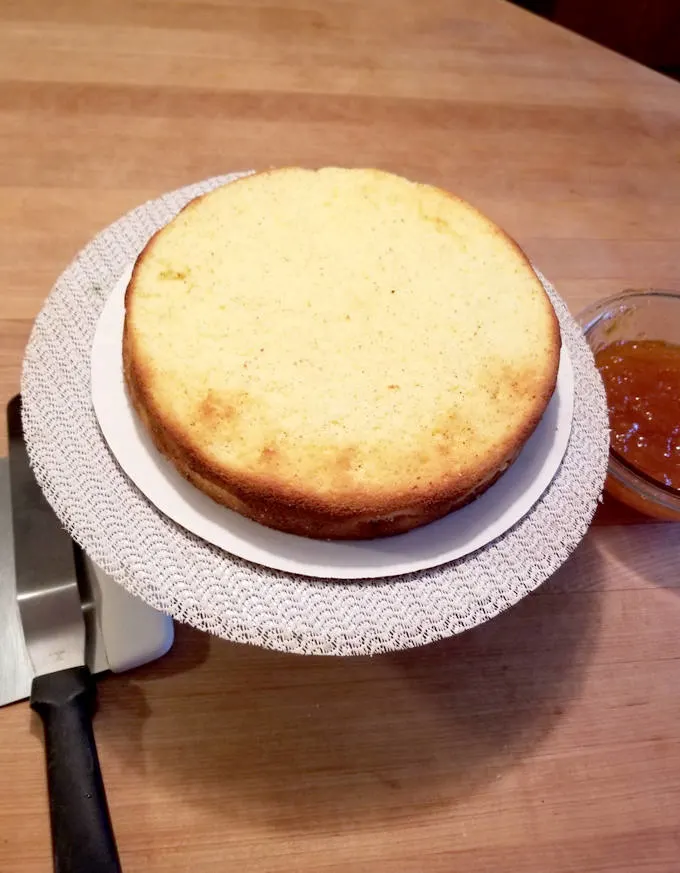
<point>121,631</point>
<point>46,581</point>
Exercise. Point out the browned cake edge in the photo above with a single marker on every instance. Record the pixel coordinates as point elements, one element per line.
<point>277,504</point>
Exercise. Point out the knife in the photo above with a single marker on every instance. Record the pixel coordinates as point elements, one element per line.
<point>63,692</point>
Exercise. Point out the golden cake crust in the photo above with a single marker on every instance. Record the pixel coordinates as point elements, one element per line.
<point>255,436</point>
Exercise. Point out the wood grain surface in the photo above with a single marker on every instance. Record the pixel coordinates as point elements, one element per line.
<point>544,742</point>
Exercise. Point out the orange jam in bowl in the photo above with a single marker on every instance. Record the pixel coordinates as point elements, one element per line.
<point>635,338</point>
<point>642,381</point>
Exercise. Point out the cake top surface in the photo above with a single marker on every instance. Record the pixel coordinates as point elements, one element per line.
<point>345,339</point>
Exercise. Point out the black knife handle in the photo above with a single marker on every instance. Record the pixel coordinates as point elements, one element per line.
<point>82,836</point>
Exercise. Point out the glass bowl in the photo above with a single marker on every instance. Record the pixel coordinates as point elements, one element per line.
<point>632,315</point>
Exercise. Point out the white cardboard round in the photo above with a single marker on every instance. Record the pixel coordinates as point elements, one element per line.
<point>454,536</point>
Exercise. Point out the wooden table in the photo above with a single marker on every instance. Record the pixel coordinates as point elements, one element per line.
<point>544,742</point>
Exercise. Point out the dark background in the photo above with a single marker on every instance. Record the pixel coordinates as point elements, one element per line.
<point>645,30</point>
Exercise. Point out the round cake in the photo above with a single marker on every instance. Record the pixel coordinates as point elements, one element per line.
<point>337,353</point>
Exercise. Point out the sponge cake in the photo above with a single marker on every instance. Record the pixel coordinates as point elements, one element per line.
<point>338,353</point>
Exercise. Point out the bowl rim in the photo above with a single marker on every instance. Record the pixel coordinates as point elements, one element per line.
<point>588,319</point>
<point>592,313</point>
